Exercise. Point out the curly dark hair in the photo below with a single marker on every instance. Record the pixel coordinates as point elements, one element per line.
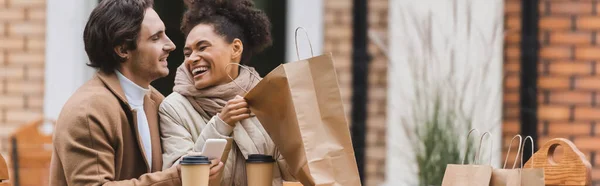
<point>113,23</point>
<point>231,19</point>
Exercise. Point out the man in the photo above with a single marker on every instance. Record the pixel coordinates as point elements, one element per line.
<point>107,132</point>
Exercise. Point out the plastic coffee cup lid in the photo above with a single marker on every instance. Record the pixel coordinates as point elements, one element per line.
<point>260,158</point>
<point>195,160</point>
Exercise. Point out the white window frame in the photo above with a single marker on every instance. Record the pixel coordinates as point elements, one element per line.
<point>401,168</point>
<point>309,15</point>
<point>65,68</point>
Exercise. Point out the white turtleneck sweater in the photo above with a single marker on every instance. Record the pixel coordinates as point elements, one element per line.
<point>135,97</point>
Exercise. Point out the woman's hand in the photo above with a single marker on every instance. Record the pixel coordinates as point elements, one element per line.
<point>215,169</point>
<point>235,110</point>
<point>215,165</point>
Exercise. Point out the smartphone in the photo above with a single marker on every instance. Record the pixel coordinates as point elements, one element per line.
<point>213,148</point>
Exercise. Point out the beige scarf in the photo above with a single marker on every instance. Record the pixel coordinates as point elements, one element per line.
<point>209,101</point>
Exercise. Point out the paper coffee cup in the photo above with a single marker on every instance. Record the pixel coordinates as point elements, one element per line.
<point>259,168</point>
<point>195,171</point>
<point>292,184</point>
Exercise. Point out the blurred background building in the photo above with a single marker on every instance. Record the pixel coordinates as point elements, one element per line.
<point>566,71</point>
<point>42,62</point>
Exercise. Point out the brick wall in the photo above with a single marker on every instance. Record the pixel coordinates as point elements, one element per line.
<point>511,124</point>
<point>568,82</point>
<point>338,39</point>
<point>22,43</point>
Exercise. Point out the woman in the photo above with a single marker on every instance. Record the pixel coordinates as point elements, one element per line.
<point>206,103</point>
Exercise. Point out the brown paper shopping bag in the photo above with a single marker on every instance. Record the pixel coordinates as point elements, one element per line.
<point>300,106</point>
<point>469,175</point>
<point>531,176</point>
<point>508,177</point>
<point>519,176</point>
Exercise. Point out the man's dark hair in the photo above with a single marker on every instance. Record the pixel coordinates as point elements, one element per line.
<point>113,23</point>
<point>231,19</point>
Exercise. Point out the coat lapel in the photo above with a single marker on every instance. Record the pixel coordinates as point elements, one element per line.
<point>112,82</point>
<point>151,109</point>
<point>134,125</point>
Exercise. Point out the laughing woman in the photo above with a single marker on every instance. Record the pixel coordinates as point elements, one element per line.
<point>206,102</point>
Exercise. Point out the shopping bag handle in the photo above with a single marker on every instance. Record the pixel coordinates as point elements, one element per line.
<point>465,157</point>
<point>245,68</point>
<point>523,151</point>
<point>518,152</point>
<point>307,38</point>
<point>478,153</point>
